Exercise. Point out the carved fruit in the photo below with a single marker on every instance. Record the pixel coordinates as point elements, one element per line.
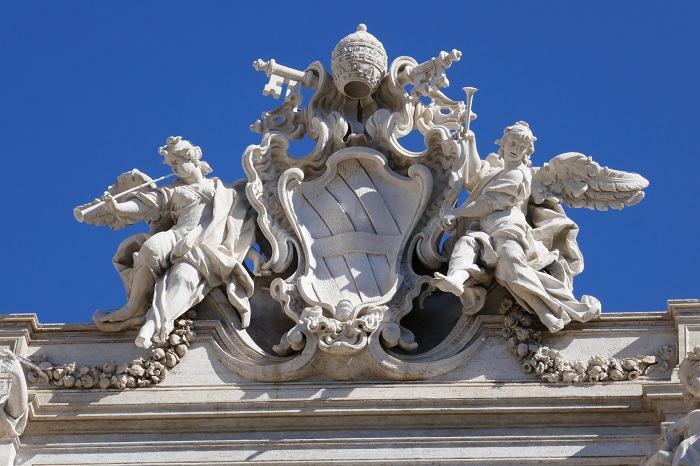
<point>181,350</point>
<point>171,360</point>
<point>525,320</point>
<point>86,381</point>
<point>68,381</point>
<point>523,349</point>
<point>617,374</point>
<point>110,367</point>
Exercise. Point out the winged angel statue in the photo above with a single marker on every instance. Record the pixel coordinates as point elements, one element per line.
<point>201,231</point>
<point>352,232</point>
<point>512,227</point>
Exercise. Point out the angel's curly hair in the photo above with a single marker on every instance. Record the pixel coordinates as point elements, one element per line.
<point>181,147</point>
<point>521,130</point>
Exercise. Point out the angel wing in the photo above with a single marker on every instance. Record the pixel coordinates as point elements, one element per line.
<point>126,181</point>
<point>578,181</point>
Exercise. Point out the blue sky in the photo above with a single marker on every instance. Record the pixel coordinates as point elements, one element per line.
<point>89,90</point>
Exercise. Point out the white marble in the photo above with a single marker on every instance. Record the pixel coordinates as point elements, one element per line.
<point>680,442</point>
<point>14,410</point>
<point>202,412</point>
<point>344,239</point>
<point>200,233</point>
<point>338,306</point>
<point>512,229</point>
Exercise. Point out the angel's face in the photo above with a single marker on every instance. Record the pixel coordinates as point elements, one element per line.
<point>182,167</point>
<point>516,149</point>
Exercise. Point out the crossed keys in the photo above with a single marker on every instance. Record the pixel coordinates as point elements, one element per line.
<point>280,75</point>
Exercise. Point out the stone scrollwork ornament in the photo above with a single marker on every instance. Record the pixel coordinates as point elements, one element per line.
<point>354,230</point>
<point>355,210</point>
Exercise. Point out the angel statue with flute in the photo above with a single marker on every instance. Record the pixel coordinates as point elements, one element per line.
<point>514,230</point>
<point>201,231</point>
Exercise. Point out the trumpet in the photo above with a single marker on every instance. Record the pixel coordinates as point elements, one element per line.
<point>470,96</point>
<point>80,212</point>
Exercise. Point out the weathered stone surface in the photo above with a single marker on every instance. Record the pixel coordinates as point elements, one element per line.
<point>486,411</point>
<point>338,308</point>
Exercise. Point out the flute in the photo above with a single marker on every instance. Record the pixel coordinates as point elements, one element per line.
<point>80,214</point>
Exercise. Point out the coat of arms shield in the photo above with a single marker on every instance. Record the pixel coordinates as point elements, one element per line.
<point>354,223</point>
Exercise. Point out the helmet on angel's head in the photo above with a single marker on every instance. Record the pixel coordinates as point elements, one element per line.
<point>519,131</point>
<point>175,145</point>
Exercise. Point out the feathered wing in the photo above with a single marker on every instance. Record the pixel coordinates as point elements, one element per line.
<point>576,180</point>
<point>101,216</point>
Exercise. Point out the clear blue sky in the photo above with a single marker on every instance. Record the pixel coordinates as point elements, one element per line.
<point>89,90</point>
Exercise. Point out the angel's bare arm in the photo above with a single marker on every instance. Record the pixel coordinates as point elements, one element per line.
<point>473,164</point>
<point>478,208</point>
<point>133,208</point>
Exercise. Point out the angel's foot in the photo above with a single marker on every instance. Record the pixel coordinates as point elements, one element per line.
<point>552,323</point>
<point>449,283</point>
<point>116,315</point>
<point>144,339</point>
<point>143,342</point>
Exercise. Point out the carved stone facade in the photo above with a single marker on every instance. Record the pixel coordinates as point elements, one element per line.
<point>487,410</point>
<point>340,307</point>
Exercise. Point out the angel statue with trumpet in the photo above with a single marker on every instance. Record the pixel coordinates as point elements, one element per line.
<point>201,231</point>
<point>513,228</point>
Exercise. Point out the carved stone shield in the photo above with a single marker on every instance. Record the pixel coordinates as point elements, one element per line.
<point>354,223</point>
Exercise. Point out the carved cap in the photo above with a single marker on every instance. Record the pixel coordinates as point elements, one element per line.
<point>359,62</point>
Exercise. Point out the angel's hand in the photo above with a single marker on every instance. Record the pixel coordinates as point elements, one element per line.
<point>465,135</point>
<point>448,223</point>
<point>110,204</point>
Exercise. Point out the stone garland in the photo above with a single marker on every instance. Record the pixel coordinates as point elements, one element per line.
<point>551,366</point>
<point>139,372</point>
